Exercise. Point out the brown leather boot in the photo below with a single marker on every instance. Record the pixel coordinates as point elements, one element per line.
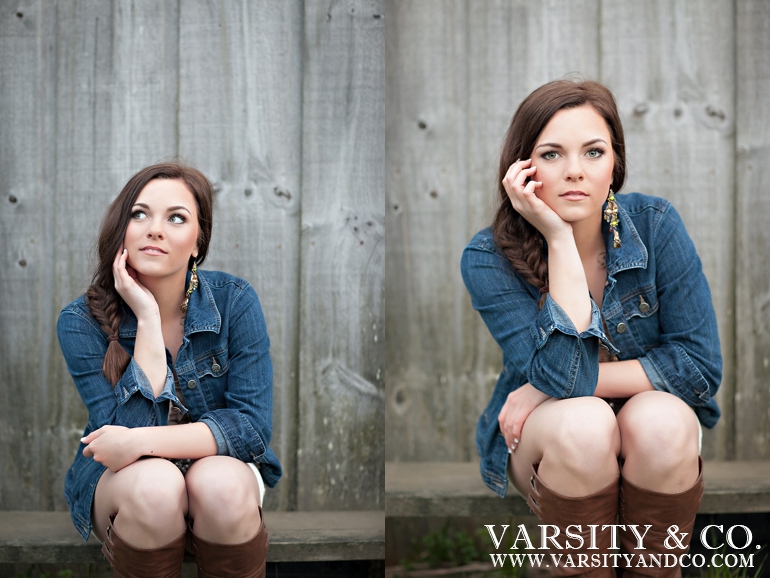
<point>597,509</point>
<point>246,560</point>
<point>663,511</point>
<point>131,562</point>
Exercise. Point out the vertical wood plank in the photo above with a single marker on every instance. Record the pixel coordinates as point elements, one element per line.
<point>456,73</point>
<point>752,335</point>
<point>342,255</point>
<point>240,113</point>
<point>670,65</point>
<point>22,221</point>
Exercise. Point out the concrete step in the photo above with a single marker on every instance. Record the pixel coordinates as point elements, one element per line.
<point>50,537</point>
<point>456,489</point>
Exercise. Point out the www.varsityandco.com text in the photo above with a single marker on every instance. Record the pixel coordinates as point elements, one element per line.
<point>561,547</point>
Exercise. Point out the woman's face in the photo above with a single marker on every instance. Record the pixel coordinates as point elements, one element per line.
<point>574,160</point>
<point>163,231</point>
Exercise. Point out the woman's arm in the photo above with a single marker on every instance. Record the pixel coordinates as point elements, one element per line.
<point>118,446</point>
<point>622,379</point>
<point>149,348</point>
<point>567,282</point>
<point>243,428</point>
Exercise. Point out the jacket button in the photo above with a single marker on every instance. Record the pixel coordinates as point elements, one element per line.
<point>644,307</point>
<point>215,368</point>
<point>622,327</point>
<point>191,384</point>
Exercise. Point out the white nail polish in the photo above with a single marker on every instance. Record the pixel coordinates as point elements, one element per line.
<point>516,440</point>
<point>83,440</point>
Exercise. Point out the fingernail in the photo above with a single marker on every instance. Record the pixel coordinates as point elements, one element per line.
<point>83,440</point>
<point>517,160</point>
<point>510,451</point>
<point>515,440</point>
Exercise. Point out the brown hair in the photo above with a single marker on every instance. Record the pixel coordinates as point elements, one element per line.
<point>103,300</point>
<point>521,242</point>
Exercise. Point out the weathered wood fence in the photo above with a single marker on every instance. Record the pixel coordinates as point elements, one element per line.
<point>692,81</point>
<point>281,104</point>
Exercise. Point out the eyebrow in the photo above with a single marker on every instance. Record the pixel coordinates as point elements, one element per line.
<point>169,210</point>
<point>558,146</point>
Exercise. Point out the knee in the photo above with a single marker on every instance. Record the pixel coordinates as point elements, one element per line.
<point>227,498</point>
<point>586,436</point>
<point>659,428</point>
<point>157,494</point>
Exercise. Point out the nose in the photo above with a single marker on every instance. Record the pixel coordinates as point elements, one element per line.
<point>574,170</point>
<point>155,229</point>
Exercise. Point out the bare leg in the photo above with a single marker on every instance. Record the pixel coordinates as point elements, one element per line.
<point>659,434</point>
<point>148,500</point>
<point>576,442</point>
<point>224,500</point>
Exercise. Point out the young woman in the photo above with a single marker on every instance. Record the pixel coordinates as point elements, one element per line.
<point>610,349</point>
<point>173,366</point>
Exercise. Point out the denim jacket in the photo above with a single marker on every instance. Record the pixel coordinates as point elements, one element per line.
<point>223,368</point>
<point>656,306</point>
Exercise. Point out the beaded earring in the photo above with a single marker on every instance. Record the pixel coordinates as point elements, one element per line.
<point>192,287</point>
<point>611,216</point>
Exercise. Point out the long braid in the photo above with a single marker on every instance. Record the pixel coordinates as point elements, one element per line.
<point>104,303</point>
<point>522,245</point>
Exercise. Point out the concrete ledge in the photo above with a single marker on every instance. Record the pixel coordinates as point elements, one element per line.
<point>456,489</point>
<point>49,537</point>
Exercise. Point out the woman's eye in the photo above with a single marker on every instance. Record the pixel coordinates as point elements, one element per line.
<point>550,155</point>
<point>177,219</point>
<point>138,215</point>
<point>595,153</point>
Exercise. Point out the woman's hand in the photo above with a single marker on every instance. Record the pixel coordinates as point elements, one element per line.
<point>526,202</point>
<point>136,296</point>
<point>520,403</point>
<point>113,446</point>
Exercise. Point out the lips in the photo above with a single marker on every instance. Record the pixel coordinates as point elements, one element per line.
<point>150,250</point>
<point>574,195</point>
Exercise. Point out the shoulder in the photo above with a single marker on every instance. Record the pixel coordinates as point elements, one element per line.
<point>637,203</point>
<point>652,216</point>
<point>78,310</point>
<point>484,241</point>
<point>227,290</point>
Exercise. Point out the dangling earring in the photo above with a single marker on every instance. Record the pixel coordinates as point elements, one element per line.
<point>611,216</point>
<point>192,287</point>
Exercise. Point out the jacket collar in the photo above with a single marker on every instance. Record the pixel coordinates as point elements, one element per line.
<point>632,253</point>
<point>202,312</point>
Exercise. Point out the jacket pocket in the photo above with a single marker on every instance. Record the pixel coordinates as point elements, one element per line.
<point>211,369</point>
<point>640,310</point>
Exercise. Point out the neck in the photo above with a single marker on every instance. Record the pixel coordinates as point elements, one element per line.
<point>588,236</point>
<point>169,293</point>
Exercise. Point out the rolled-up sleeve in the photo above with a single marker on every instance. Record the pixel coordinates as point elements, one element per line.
<point>243,428</point>
<point>131,402</point>
<point>688,362</point>
<point>542,344</point>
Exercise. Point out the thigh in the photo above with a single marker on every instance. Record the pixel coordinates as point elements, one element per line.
<point>559,422</point>
<point>151,482</point>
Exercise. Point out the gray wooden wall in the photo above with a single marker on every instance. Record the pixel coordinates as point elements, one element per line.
<point>281,104</point>
<point>692,81</point>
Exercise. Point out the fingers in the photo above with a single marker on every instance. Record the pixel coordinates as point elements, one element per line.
<point>518,183</point>
<point>510,429</point>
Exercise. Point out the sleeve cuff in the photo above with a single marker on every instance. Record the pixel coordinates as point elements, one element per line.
<point>552,317</point>
<point>223,449</point>
<point>656,379</point>
<point>135,380</point>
